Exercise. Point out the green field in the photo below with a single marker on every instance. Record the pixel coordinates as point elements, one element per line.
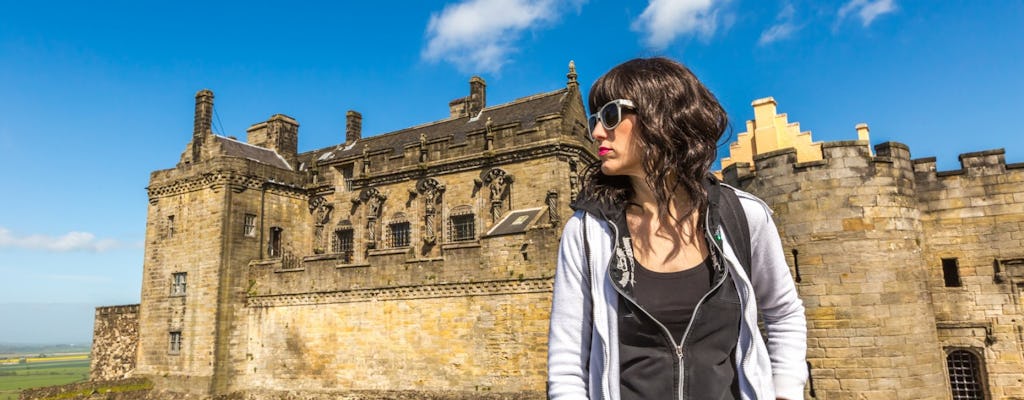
<point>14,378</point>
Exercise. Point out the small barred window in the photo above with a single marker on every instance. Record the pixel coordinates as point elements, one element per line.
<point>463,227</point>
<point>400,233</point>
<point>175,342</point>
<point>343,242</point>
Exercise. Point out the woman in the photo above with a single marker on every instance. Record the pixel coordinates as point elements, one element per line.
<point>651,299</point>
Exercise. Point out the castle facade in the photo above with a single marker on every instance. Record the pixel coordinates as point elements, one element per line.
<point>422,260</point>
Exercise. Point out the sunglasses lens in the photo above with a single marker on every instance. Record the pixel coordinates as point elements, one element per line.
<point>610,116</point>
<point>592,122</point>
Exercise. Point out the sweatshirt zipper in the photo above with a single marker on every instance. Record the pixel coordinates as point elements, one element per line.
<point>680,348</point>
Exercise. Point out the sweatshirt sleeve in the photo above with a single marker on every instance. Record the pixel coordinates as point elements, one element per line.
<point>570,330</point>
<point>781,309</point>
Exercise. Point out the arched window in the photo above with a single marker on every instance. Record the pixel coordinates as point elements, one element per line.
<point>965,375</point>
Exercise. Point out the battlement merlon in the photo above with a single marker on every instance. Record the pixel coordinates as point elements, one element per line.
<point>978,163</point>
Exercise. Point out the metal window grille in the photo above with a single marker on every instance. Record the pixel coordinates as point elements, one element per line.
<point>175,345</point>
<point>399,234</point>
<point>250,225</point>
<point>964,375</point>
<point>463,227</point>
<point>346,173</point>
<point>343,243</point>
<point>178,283</point>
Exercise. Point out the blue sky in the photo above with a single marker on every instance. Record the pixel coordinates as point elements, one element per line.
<point>95,95</point>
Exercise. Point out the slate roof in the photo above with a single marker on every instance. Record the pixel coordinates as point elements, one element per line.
<point>523,111</point>
<point>235,148</point>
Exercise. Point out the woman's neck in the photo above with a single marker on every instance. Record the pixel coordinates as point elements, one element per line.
<point>644,198</point>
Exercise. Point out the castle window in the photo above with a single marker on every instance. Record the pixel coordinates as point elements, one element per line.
<point>346,176</point>
<point>274,246</point>
<point>951,272</point>
<point>249,227</point>
<point>343,243</point>
<point>178,283</point>
<point>400,232</point>
<point>175,342</point>
<point>170,226</point>
<point>964,375</point>
<point>463,227</point>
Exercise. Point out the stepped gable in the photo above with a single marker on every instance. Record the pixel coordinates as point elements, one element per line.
<point>522,111</point>
<point>235,148</point>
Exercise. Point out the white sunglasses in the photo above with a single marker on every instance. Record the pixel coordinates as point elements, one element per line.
<point>609,114</point>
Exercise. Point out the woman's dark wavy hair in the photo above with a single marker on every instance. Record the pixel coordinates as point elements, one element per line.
<point>678,125</point>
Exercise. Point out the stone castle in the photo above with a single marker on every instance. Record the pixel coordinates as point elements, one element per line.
<point>419,262</point>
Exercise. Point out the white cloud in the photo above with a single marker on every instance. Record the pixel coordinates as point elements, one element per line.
<point>778,32</point>
<point>866,10</point>
<point>665,20</point>
<point>784,27</point>
<point>481,35</point>
<point>71,241</point>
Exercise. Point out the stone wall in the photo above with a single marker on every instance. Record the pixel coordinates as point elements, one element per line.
<point>974,219</point>
<point>851,223</point>
<point>115,339</point>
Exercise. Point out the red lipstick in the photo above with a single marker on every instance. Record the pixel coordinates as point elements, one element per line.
<point>603,150</point>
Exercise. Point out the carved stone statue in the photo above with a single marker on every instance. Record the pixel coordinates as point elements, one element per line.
<point>430,189</point>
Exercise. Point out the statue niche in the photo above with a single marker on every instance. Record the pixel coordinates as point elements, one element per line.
<point>321,211</point>
<point>430,189</point>
<point>499,183</point>
<point>374,200</point>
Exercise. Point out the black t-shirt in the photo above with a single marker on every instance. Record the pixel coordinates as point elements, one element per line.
<point>671,299</point>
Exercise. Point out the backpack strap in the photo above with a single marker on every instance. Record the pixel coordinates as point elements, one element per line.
<point>727,213</point>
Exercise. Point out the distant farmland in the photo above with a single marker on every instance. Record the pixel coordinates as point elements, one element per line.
<point>17,375</point>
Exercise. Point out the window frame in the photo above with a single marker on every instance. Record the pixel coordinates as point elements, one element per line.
<point>175,342</point>
<point>976,369</point>
<point>346,248</point>
<point>249,225</point>
<point>179,287</point>
<point>460,235</point>
<point>394,237</point>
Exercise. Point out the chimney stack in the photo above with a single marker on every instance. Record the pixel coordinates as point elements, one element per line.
<point>202,122</point>
<point>353,126</point>
<point>477,95</point>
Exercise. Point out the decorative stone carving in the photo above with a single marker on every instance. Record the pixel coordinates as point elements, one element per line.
<point>321,211</point>
<point>574,180</point>
<point>374,200</point>
<point>499,182</point>
<point>552,201</point>
<point>423,147</point>
<point>430,189</point>
<point>489,134</point>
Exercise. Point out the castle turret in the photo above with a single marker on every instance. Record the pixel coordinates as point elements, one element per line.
<point>851,223</point>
